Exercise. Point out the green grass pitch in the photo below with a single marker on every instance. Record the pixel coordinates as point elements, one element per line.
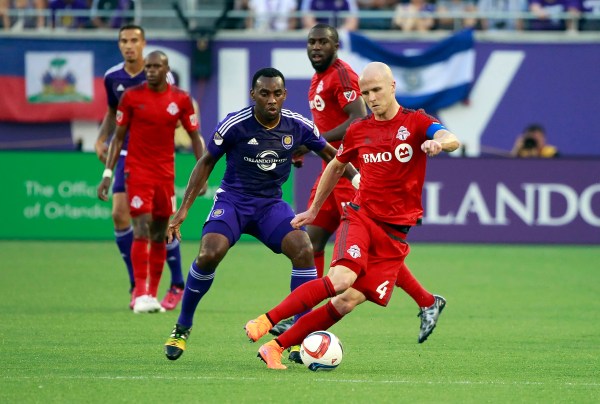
<point>521,325</point>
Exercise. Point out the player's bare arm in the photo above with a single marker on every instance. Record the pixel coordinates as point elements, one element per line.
<point>107,127</point>
<point>329,152</point>
<point>198,147</point>
<point>356,109</point>
<point>443,140</point>
<point>330,177</point>
<point>196,183</point>
<point>111,161</point>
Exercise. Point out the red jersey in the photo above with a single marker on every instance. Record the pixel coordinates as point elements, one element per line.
<point>392,164</point>
<point>329,93</point>
<point>152,118</point>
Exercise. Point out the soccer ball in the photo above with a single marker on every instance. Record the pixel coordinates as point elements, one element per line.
<point>321,350</point>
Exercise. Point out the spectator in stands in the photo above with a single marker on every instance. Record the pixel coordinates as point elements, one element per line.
<point>120,13</point>
<point>414,16</point>
<point>4,17</point>
<point>376,5</point>
<point>590,13</point>
<point>67,20</point>
<point>333,7</point>
<point>25,14</point>
<point>502,6</point>
<point>548,15</point>
<point>272,15</point>
<point>532,143</point>
<point>449,7</point>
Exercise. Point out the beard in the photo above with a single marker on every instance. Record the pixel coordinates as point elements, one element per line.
<point>323,64</point>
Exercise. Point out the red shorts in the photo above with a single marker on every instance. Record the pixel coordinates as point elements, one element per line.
<point>156,198</point>
<point>330,214</point>
<point>373,250</point>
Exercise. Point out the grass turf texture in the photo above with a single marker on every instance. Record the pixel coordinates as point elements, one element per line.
<point>521,325</point>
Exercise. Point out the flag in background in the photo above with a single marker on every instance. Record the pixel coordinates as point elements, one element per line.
<point>432,79</point>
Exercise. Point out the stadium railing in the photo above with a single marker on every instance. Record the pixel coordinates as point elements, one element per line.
<point>167,18</point>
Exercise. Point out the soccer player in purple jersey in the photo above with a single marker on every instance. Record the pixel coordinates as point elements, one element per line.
<point>117,79</point>
<point>259,142</point>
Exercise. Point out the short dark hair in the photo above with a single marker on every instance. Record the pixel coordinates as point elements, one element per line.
<point>332,31</point>
<point>132,26</point>
<point>267,72</point>
<point>534,127</point>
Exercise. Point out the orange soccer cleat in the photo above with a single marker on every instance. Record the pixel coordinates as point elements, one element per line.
<point>258,327</point>
<point>270,353</point>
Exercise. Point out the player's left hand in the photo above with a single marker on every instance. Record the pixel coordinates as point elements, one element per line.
<point>173,231</point>
<point>101,149</point>
<point>431,147</point>
<point>103,188</point>
<point>302,219</point>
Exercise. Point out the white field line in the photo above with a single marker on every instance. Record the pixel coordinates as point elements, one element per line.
<point>349,381</point>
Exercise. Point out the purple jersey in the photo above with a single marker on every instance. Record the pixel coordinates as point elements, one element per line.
<point>116,81</point>
<point>259,159</point>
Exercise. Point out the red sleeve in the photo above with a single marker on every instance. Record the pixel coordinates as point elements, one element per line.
<point>124,109</point>
<point>188,116</point>
<point>347,151</point>
<point>346,85</point>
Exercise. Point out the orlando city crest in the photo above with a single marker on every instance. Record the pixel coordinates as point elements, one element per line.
<point>287,141</point>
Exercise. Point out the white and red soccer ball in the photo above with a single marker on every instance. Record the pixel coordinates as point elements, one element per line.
<point>321,350</point>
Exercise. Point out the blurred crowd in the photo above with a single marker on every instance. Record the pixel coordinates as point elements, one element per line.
<point>285,15</point>
<point>70,14</point>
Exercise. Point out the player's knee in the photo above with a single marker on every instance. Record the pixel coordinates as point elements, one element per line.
<point>209,258</point>
<point>341,279</point>
<point>297,247</point>
<point>120,219</point>
<point>343,304</point>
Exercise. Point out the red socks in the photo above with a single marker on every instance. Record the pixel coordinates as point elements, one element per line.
<point>411,285</point>
<point>303,298</point>
<point>158,256</point>
<point>139,260</point>
<point>319,262</point>
<point>318,319</point>
<point>147,262</point>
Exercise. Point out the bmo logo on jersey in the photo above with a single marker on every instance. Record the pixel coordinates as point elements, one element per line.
<point>403,154</point>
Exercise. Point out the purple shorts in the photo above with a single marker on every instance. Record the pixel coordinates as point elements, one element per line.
<point>234,214</point>
<point>119,178</point>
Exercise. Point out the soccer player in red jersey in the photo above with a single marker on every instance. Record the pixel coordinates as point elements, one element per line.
<point>335,103</point>
<point>151,112</point>
<point>392,145</point>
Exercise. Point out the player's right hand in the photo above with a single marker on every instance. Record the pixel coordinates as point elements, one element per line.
<point>302,219</point>
<point>101,151</point>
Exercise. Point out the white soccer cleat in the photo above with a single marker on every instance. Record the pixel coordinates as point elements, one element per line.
<point>146,304</point>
